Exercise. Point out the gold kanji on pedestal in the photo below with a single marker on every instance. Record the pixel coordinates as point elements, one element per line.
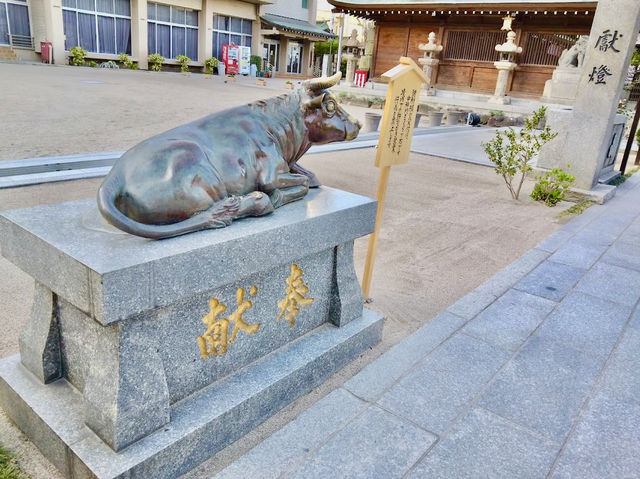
<point>215,340</point>
<point>295,299</point>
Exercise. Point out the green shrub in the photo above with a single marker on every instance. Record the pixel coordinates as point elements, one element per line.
<point>126,61</point>
<point>210,64</point>
<point>329,47</point>
<point>638,137</point>
<point>156,60</point>
<point>183,60</point>
<point>93,63</point>
<point>513,156</point>
<point>551,187</point>
<point>77,56</point>
<point>135,66</point>
<point>256,60</point>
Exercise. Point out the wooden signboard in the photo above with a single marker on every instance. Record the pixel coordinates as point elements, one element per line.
<point>401,106</point>
<point>394,144</point>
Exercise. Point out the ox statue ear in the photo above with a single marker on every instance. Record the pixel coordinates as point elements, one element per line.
<point>315,101</point>
<point>317,84</point>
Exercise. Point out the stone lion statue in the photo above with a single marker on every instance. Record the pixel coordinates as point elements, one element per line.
<point>574,57</point>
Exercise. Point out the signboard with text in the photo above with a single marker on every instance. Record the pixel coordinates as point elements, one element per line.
<point>394,144</point>
<point>399,115</point>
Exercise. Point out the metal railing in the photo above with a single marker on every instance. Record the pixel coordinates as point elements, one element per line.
<point>21,41</point>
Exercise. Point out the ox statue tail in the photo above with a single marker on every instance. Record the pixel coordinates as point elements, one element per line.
<point>218,216</point>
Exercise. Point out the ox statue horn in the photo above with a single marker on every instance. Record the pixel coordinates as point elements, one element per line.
<point>317,84</point>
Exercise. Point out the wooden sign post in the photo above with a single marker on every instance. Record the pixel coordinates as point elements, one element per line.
<point>396,132</point>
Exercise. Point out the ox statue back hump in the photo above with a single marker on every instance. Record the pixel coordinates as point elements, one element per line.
<point>234,163</point>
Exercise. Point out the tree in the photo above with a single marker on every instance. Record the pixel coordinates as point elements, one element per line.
<point>513,157</point>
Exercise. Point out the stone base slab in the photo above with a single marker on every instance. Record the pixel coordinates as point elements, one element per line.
<point>599,193</point>
<point>202,424</point>
<point>562,88</point>
<point>608,176</point>
<point>500,100</point>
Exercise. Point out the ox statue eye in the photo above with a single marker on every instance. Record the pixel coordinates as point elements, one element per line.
<point>330,106</point>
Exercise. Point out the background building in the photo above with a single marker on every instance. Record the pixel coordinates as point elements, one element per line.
<point>289,30</point>
<point>196,28</point>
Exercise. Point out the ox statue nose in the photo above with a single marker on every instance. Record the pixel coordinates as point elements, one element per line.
<point>352,129</point>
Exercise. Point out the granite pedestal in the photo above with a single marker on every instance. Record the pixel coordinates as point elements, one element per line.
<point>143,358</point>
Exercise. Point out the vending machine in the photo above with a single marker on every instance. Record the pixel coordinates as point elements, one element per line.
<point>245,60</point>
<point>230,58</point>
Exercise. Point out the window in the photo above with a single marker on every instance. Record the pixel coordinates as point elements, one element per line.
<point>98,26</point>
<point>14,21</point>
<point>172,31</point>
<point>230,30</point>
<point>305,4</point>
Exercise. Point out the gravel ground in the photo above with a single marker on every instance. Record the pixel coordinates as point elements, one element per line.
<point>447,227</point>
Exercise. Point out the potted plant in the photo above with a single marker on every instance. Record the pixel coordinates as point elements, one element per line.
<point>77,55</point>
<point>156,60</point>
<point>125,60</point>
<point>256,62</point>
<point>288,85</point>
<point>209,64</point>
<point>183,60</point>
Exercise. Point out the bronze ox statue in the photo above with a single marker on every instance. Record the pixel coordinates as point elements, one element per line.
<point>234,163</point>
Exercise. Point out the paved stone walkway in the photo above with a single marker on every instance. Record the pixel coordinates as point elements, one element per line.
<point>534,374</point>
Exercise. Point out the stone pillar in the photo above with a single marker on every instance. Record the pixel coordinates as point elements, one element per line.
<point>325,65</point>
<point>256,38</point>
<point>139,35</point>
<point>500,95</point>
<point>351,68</point>
<point>284,55</point>
<point>307,58</point>
<point>507,50</point>
<point>609,49</point>
<point>54,27</point>
<point>205,31</point>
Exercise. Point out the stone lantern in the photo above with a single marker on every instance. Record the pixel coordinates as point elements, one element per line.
<point>352,51</point>
<point>508,51</point>
<point>429,61</point>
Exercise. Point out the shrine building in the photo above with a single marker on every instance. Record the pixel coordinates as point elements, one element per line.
<point>469,32</point>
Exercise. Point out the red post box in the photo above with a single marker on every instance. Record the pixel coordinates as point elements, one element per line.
<point>46,52</point>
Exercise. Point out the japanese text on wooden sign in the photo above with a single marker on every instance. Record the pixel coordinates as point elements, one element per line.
<point>399,114</point>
